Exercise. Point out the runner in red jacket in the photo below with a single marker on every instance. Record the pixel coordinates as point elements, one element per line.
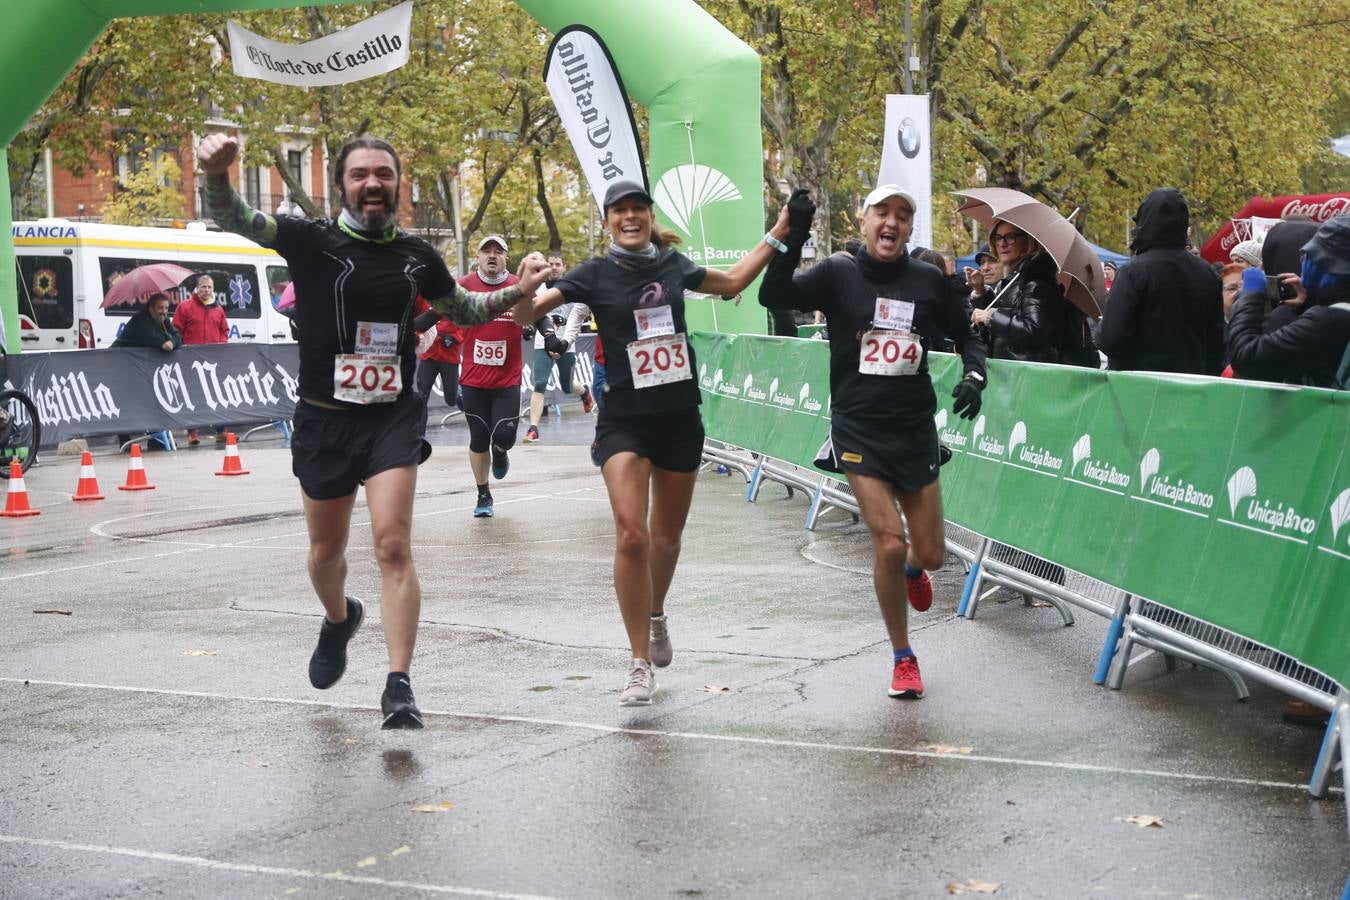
<point>200,319</point>
<point>490,376</point>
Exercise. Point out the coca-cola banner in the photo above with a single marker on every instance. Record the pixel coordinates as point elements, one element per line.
<point>85,393</point>
<point>1317,207</point>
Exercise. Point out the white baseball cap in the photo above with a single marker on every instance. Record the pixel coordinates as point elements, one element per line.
<point>494,239</point>
<point>886,191</point>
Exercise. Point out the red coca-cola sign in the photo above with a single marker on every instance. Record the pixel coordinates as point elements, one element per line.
<point>1317,207</point>
<point>1312,208</point>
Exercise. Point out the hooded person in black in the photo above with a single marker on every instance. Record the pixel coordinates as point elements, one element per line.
<point>1304,339</point>
<point>1166,308</point>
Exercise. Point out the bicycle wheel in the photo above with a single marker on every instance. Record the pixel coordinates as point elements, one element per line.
<point>20,431</point>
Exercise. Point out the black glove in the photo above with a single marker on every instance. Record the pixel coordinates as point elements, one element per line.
<point>426,320</point>
<point>801,210</point>
<point>527,332</point>
<point>558,321</point>
<point>448,341</point>
<point>554,344</point>
<point>967,394</point>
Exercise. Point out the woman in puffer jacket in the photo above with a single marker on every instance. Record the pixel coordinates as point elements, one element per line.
<point>1030,315</point>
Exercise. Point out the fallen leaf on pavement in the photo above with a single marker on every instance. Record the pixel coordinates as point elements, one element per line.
<point>200,653</point>
<point>1143,821</point>
<point>947,748</point>
<point>443,806</point>
<point>368,861</point>
<point>972,886</point>
<point>52,612</point>
<point>399,851</point>
<point>1040,604</point>
<point>715,689</point>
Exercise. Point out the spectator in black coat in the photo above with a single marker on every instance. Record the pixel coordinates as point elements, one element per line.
<point>150,327</point>
<point>1030,315</point>
<point>1309,349</point>
<point>1166,308</point>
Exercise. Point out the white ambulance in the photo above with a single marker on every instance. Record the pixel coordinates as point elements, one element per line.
<point>65,267</point>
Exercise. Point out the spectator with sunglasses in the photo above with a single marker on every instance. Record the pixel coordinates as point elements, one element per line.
<point>1166,308</point>
<point>1029,318</point>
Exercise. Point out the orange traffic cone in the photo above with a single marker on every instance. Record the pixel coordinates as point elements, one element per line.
<point>136,480</point>
<point>232,464</point>
<point>16,503</point>
<point>87,488</point>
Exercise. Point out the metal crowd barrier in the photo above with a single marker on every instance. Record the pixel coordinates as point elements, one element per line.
<point>1132,621</point>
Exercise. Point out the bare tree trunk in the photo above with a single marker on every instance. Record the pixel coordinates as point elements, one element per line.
<point>554,238</point>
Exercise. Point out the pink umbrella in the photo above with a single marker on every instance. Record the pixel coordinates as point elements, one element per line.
<point>138,284</point>
<point>1080,270</point>
<point>287,298</point>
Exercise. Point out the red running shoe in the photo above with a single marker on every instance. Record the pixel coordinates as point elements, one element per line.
<point>587,401</point>
<point>920,591</point>
<point>906,682</point>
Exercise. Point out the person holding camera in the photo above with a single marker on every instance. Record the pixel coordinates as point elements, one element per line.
<point>1166,308</point>
<point>1311,346</point>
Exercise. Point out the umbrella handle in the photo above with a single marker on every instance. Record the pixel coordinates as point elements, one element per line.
<point>1011,281</point>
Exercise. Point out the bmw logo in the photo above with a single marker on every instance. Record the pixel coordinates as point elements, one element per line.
<point>909,138</point>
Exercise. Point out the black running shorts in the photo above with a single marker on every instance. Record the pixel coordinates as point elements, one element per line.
<point>904,455</point>
<point>493,415</point>
<point>671,440</point>
<point>334,450</point>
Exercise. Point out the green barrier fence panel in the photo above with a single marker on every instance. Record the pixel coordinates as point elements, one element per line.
<point>1226,500</point>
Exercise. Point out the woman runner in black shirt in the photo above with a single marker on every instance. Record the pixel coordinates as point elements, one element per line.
<point>649,436</point>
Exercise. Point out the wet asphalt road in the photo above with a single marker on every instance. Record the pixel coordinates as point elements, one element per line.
<point>163,740</point>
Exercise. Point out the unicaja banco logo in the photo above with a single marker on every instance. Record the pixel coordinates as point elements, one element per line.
<point>1340,514</point>
<point>1167,491</point>
<point>1257,513</point>
<point>1020,453</point>
<point>754,393</point>
<point>703,375</point>
<point>781,398</point>
<point>809,403</point>
<point>1095,472</point>
<point>1241,485</point>
<point>684,190</point>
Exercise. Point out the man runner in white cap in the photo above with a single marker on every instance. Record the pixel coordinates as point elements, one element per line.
<point>884,310</point>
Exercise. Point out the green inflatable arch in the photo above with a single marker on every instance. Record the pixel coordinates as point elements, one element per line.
<point>699,82</point>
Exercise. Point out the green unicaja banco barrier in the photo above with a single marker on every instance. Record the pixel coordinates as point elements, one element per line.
<point>698,81</point>
<point>1226,500</point>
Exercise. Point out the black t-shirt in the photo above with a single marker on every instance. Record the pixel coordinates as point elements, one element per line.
<point>615,293</point>
<point>846,289</point>
<point>340,281</point>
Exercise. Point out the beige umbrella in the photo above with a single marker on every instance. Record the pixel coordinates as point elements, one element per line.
<point>1080,271</point>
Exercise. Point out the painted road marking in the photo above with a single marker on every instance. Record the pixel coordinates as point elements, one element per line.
<point>697,736</point>
<point>254,869</point>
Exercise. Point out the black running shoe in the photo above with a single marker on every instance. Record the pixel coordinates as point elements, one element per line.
<point>397,703</point>
<point>330,656</point>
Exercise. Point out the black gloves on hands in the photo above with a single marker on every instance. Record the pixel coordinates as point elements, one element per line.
<point>801,210</point>
<point>554,344</point>
<point>448,341</point>
<point>527,332</point>
<point>968,400</point>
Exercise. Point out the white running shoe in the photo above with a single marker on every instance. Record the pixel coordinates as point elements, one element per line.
<point>661,651</point>
<point>641,685</point>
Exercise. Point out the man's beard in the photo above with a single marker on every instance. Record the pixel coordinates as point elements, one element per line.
<point>375,220</point>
